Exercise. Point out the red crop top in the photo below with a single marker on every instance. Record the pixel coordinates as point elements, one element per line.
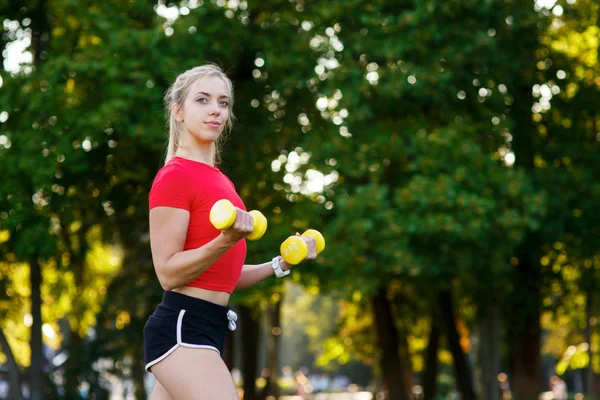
<point>195,186</point>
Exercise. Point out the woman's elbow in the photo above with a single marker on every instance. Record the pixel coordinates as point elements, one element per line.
<point>166,281</point>
<point>167,286</point>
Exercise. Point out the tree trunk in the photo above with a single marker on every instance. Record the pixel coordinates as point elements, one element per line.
<point>36,372</point>
<point>591,377</point>
<point>524,330</point>
<point>14,378</point>
<point>525,304</point>
<point>273,338</point>
<point>250,325</point>
<point>71,366</point>
<point>464,378</point>
<point>387,337</point>
<point>489,351</point>
<point>138,372</point>
<point>405,360</point>
<point>431,357</point>
<point>97,390</point>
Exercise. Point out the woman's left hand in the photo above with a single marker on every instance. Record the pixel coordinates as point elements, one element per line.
<point>312,247</point>
<point>312,252</point>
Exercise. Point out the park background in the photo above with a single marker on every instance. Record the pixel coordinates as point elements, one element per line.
<point>448,151</point>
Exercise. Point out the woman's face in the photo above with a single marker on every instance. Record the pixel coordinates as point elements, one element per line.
<point>206,109</point>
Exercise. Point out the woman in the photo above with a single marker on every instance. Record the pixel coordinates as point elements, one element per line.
<point>197,265</point>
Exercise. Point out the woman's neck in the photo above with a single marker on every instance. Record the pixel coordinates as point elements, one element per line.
<point>203,154</point>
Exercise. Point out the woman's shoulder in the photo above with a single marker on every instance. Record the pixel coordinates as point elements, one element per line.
<point>172,171</point>
<point>171,187</point>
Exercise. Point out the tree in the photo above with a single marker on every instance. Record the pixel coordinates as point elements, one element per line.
<point>418,139</point>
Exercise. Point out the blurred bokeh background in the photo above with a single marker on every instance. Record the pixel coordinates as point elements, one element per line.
<point>449,151</point>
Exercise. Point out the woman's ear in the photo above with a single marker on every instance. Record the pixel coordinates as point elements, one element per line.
<point>176,111</point>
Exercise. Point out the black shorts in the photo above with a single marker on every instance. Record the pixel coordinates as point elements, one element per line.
<point>181,320</point>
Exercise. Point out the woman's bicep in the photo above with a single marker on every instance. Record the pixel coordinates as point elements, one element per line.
<point>168,229</point>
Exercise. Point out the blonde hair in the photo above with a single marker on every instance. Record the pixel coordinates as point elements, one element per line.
<point>177,94</point>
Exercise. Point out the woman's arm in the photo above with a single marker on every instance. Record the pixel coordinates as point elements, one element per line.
<point>175,267</point>
<point>252,274</point>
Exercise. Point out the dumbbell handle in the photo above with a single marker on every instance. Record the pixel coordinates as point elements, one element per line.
<point>223,214</point>
<point>294,249</point>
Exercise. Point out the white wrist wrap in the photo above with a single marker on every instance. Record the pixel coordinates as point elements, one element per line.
<point>280,273</point>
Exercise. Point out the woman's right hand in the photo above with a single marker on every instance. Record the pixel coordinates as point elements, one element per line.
<point>242,226</point>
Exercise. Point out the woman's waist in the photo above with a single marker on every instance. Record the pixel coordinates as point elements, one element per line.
<point>212,296</point>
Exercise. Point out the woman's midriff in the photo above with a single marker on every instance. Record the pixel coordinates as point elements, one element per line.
<point>221,298</point>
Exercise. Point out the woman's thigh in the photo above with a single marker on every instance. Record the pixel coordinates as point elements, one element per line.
<point>159,392</point>
<point>189,374</point>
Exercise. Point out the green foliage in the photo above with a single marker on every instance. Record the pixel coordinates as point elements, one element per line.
<point>418,135</point>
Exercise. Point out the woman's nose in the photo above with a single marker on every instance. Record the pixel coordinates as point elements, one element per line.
<point>214,110</point>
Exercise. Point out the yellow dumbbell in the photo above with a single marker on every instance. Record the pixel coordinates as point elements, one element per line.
<point>294,249</point>
<point>223,213</point>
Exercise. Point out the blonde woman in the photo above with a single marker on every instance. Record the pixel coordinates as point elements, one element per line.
<point>197,265</point>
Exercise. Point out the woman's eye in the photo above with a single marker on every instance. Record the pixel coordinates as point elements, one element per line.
<point>224,103</point>
<point>202,100</point>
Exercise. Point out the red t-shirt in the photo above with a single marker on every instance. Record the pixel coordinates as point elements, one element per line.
<point>195,187</point>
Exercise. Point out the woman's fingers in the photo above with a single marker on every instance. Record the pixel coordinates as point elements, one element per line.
<point>242,226</point>
<point>244,222</point>
<point>312,247</point>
